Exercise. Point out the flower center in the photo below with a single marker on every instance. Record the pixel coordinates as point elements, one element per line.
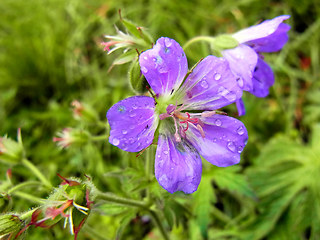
<point>182,120</point>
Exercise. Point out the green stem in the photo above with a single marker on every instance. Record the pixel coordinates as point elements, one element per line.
<point>29,197</point>
<point>159,224</point>
<point>99,138</point>
<point>197,39</point>
<point>120,200</point>
<point>36,172</point>
<point>149,170</point>
<point>23,185</point>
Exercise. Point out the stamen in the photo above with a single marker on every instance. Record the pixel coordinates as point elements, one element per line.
<point>208,113</point>
<point>201,131</point>
<point>71,222</point>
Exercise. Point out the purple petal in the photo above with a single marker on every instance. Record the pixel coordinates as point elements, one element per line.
<point>132,123</point>
<point>177,165</point>
<point>242,61</point>
<point>240,107</point>
<point>210,86</point>
<point>261,30</point>
<point>263,79</point>
<point>273,42</point>
<point>225,138</point>
<point>164,66</point>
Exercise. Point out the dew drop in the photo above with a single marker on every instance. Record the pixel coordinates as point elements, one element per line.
<point>144,69</point>
<point>132,127</point>
<point>159,156</point>
<point>121,109</point>
<point>162,69</point>
<point>204,84</point>
<point>231,146</point>
<point>167,42</point>
<point>240,130</point>
<point>217,76</point>
<point>214,139</point>
<point>115,141</point>
<point>145,58</point>
<point>124,131</point>
<point>134,106</point>
<point>218,122</point>
<point>165,152</point>
<point>240,148</point>
<point>132,114</point>
<point>240,82</point>
<point>163,178</point>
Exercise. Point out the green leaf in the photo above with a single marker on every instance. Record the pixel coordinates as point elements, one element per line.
<point>125,57</point>
<point>203,199</point>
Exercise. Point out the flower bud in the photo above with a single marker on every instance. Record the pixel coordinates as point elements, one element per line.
<point>84,112</point>
<point>71,136</point>
<point>11,151</point>
<point>10,224</point>
<point>137,81</point>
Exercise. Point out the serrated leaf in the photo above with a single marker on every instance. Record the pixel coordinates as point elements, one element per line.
<point>227,178</point>
<point>203,199</point>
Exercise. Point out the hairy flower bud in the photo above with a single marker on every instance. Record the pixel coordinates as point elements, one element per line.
<point>71,136</point>
<point>84,112</point>
<point>10,224</point>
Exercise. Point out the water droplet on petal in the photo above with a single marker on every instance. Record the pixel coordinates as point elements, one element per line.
<point>134,106</point>
<point>231,146</point>
<point>214,139</point>
<point>121,109</point>
<point>240,148</point>
<point>165,152</point>
<point>144,69</point>
<point>204,84</point>
<point>115,141</point>
<point>240,130</point>
<point>132,127</point>
<point>124,131</point>
<point>159,156</point>
<point>132,114</point>
<point>218,122</point>
<point>163,178</point>
<point>217,76</point>
<point>145,58</point>
<point>230,96</point>
<point>167,42</point>
<point>240,82</point>
<point>162,69</point>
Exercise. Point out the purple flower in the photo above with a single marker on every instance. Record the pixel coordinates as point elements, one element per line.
<point>246,61</point>
<point>183,112</point>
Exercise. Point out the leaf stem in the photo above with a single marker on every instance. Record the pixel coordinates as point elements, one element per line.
<point>159,224</point>
<point>99,138</point>
<point>23,185</point>
<point>120,200</point>
<point>197,39</point>
<point>36,172</point>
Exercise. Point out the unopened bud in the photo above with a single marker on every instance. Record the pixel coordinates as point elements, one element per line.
<point>9,224</point>
<point>84,112</point>
<point>71,136</point>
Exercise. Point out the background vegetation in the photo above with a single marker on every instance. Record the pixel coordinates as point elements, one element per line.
<point>50,55</point>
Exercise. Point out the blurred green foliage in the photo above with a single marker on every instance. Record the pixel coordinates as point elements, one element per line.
<point>50,55</point>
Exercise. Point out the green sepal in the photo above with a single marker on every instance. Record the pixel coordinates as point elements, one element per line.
<point>137,81</point>
<point>125,57</point>
<point>138,32</point>
<point>225,42</point>
<point>9,223</point>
